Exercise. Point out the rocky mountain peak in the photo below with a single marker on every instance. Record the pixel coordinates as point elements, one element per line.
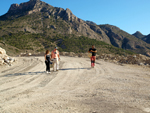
<point>68,10</point>
<point>21,9</point>
<point>138,34</point>
<point>69,15</point>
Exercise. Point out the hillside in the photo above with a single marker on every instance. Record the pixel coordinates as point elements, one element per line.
<point>35,26</point>
<point>11,50</point>
<point>146,39</point>
<point>122,39</point>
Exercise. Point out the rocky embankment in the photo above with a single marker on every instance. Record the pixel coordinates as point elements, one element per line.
<point>5,59</point>
<point>137,59</point>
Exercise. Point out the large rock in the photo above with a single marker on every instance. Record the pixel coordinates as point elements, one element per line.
<point>2,51</point>
<point>1,61</point>
<point>4,58</point>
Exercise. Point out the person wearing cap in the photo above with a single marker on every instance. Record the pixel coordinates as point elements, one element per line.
<point>56,58</point>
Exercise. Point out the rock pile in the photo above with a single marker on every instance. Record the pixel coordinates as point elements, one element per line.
<point>5,59</point>
<point>130,59</point>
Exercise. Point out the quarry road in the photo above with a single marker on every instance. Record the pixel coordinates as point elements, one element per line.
<point>75,88</point>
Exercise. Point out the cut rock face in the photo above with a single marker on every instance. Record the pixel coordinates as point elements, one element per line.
<point>5,59</point>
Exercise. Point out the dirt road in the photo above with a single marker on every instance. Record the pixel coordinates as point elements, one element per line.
<point>75,88</point>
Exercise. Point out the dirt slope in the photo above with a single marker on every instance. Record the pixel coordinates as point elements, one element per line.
<point>108,88</point>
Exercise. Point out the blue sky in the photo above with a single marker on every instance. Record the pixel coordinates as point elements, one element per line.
<point>128,15</point>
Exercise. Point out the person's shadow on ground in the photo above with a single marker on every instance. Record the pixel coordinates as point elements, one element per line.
<point>40,72</point>
<point>74,69</point>
<point>25,73</point>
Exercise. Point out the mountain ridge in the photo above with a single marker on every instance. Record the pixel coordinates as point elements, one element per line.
<point>138,34</point>
<point>39,17</point>
<point>146,38</point>
<point>78,24</point>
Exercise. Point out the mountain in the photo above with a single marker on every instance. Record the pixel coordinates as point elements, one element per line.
<point>138,35</point>
<point>142,37</point>
<point>122,39</point>
<point>52,17</point>
<point>146,39</point>
<point>36,26</point>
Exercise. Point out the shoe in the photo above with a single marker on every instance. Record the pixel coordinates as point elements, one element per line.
<point>49,72</point>
<point>46,71</point>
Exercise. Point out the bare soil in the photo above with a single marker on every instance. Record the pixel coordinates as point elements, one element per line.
<point>75,88</point>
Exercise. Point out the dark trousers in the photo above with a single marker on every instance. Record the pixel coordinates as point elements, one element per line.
<point>47,66</point>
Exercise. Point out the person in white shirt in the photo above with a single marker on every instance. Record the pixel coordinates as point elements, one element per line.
<point>56,58</point>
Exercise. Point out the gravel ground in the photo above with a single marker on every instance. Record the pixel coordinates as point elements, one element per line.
<point>75,88</point>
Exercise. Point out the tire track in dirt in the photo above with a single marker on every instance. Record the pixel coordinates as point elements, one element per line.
<point>20,82</point>
<point>75,88</point>
<point>8,75</point>
<point>14,78</point>
<point>40,80</point>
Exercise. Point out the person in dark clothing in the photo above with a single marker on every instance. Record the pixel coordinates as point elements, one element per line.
<point>47,61</point>
<point>93,57</point>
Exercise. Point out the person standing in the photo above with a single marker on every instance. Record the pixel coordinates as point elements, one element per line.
<point>47,61</point>
<point>56,58</point>
<point>93,57</point>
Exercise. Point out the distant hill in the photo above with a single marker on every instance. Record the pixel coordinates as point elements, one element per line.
<point>36,26</point>
<point>122,39</point>
<point>142,37</point>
